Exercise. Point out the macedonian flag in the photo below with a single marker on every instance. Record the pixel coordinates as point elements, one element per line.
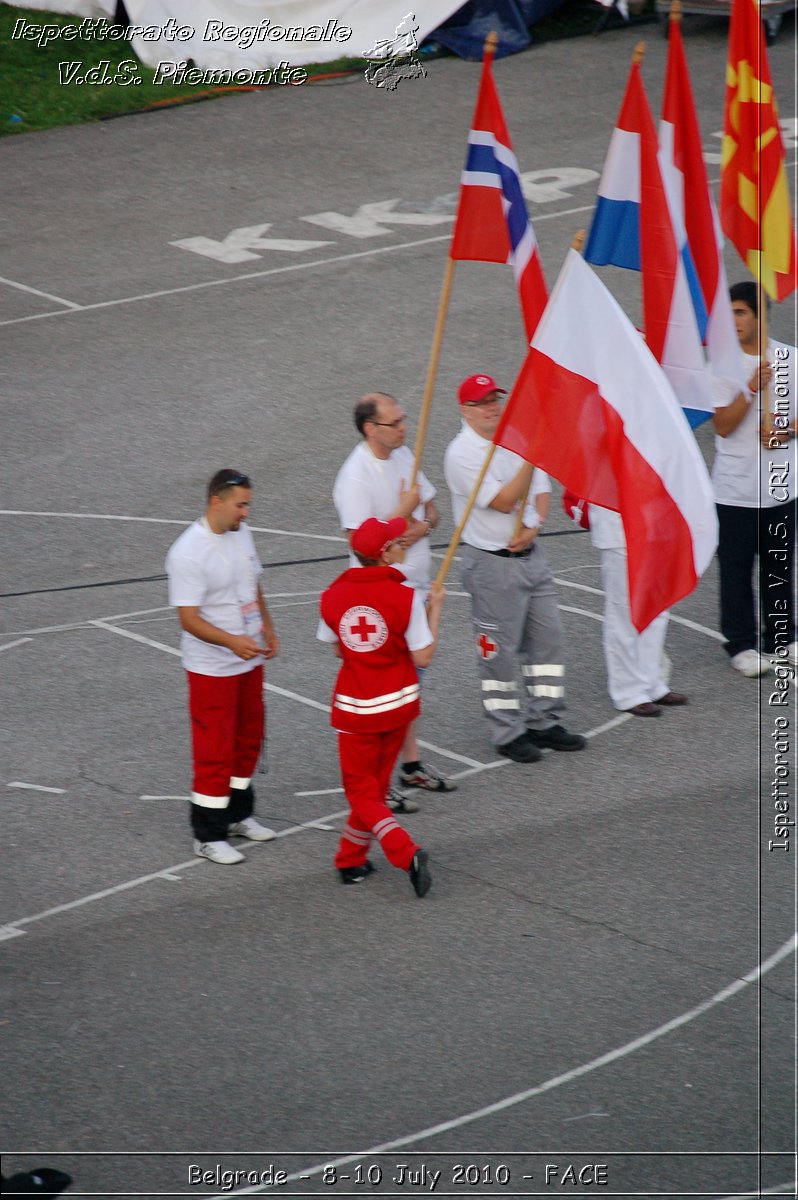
<point>754,200</point>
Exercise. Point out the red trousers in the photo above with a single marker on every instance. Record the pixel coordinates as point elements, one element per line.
<point>367,761</point>
<point>226,733</point>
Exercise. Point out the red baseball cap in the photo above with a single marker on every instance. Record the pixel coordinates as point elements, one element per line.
<point>373,536</point>
<point>477,387</point>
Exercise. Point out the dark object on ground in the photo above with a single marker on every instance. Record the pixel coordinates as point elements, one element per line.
<point>44,1182</point>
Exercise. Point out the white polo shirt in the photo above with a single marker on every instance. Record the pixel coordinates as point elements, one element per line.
<point>367,486</point>
<point>487,528</point>
<point>746,474</point>
<point>217,573</point>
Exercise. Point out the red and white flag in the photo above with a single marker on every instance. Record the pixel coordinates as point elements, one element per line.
<point>593,407</point>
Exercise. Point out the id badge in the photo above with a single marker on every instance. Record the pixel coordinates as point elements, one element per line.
<point>250,615</point>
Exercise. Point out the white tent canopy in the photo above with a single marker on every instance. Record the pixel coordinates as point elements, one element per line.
<point>257,34</point>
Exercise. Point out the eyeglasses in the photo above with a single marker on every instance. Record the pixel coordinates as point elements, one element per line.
<point>237,480</point>
<point>391,424</point>
<point>494,399</point>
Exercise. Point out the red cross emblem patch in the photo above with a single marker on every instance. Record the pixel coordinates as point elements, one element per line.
<point>486,647</point>
<point>362,629</point>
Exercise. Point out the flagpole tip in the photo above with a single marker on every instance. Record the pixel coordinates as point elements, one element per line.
<point>676,10</point>
<point>491,42</point>
<point>579,240</point>
<point>639,54</point>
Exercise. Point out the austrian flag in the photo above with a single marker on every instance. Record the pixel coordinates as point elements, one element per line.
<point>593,408</point>
<point>492,223</point>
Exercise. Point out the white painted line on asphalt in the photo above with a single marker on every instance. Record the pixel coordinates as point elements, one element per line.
<point>104,894</point>
<point>278,691</point>
<point>18,642</point>
<point>583,587</point>
<point>135,637</point>
<point>582,612</point>
<point>8,931</point>
<point>13,927</point>
<point>283,270</point>
<point>292,533</point>
<point>603,1060</point>
<point>21,512</point>
<point>23,287</point>
<point>37,787</point>
<point>322,792</point>
<point>243,278</point>
<point>621,719</point>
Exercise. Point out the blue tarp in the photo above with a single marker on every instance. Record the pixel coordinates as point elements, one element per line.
<point>465,32</point>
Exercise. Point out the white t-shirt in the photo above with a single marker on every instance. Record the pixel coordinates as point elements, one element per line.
<point>417,635</point>
<point>367,486</point>
<point>218,573</point>
<point>487,528</point>
<point>745,473</point>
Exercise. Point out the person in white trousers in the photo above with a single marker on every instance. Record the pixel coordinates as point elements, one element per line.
<point>634,661</point>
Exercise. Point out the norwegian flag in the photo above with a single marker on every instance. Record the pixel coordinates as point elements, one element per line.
<point>492,223</point>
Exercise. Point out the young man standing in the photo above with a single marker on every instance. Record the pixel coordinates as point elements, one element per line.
<point>754,476</point>
<point>380,631</point>
<point>213,571</point>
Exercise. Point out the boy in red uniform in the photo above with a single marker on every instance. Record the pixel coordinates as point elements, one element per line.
<point>380,630</point>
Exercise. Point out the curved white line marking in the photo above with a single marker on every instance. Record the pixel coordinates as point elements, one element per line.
<point>18,642</point>
<point>36,787</point>
<point>292,533</point>
<point>557,1081</point>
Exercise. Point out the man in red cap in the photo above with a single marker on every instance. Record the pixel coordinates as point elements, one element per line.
<point>507,575</point>
<point>381,632</point>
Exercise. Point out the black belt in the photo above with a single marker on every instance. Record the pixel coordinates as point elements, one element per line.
<point>512,553</point>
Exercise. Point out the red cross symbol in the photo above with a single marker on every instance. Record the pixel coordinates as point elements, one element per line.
<point>362,628</point>
<point>486,646</point>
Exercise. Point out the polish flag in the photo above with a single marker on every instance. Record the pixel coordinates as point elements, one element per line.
<point>592,407</point>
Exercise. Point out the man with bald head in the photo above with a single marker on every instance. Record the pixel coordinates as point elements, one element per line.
<point>374,481</point>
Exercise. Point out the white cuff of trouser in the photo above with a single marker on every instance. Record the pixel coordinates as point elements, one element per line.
<point>237,781</point>
<point>209,801</point>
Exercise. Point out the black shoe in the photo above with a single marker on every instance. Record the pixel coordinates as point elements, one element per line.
<point>556,738</point>
<point>44,1182</point>
<point>419,873</point>
<point>356,874</point>
<point>520,749</point>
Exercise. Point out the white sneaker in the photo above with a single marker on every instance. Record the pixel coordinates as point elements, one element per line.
<point>218,852</point>
<point>750,663</point>
<point>252,829</point>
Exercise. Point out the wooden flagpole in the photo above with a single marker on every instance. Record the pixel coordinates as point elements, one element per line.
<point>491,42</point>
<point>432,368</point>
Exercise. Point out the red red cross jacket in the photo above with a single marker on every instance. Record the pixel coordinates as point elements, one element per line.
<point>377,686</point>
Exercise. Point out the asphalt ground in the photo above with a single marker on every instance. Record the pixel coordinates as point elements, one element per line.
<point>601,979</point>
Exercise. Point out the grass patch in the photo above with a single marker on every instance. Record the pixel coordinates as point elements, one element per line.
<point>36,93</point>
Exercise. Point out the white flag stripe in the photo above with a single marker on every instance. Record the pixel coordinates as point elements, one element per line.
<point>657,430</point>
